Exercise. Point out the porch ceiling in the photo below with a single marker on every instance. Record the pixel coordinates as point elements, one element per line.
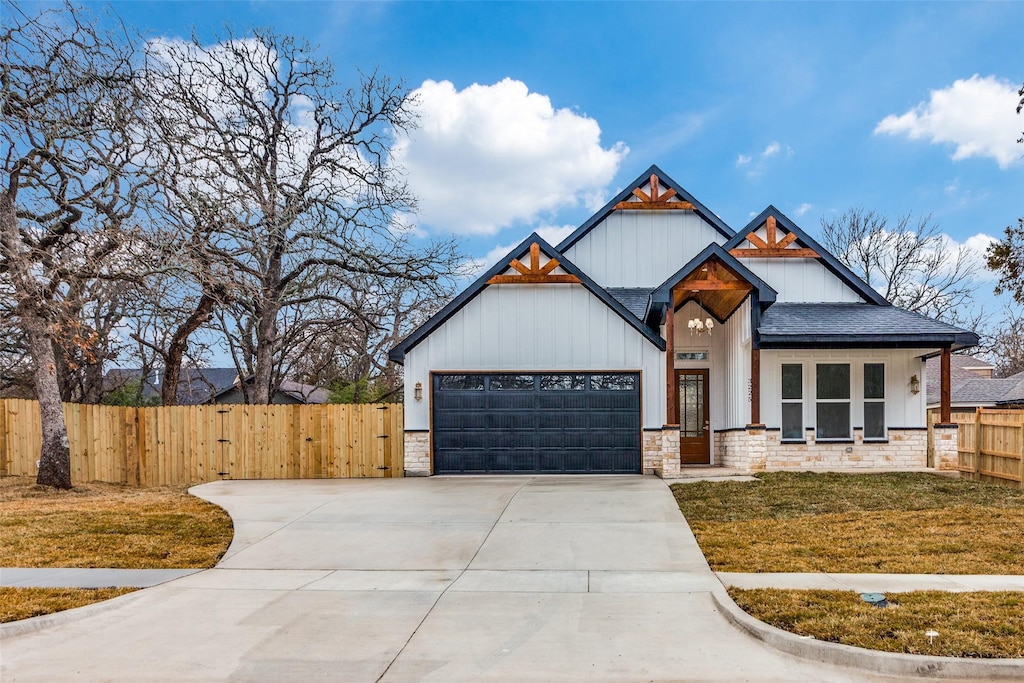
<point>715,286</point>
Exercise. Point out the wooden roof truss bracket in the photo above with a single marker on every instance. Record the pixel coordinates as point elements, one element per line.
<point>534,274</point>
<point>772,246</point>
<point>657,200</point>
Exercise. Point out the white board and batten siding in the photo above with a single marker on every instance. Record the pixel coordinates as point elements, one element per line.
<point>802,280</point>
<point>534,328</point>
<point>641,248</point>
<point>902,408</point>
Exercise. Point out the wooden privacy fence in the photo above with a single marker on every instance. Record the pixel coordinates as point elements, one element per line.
<point>990,444</point>
<point>189,444</point>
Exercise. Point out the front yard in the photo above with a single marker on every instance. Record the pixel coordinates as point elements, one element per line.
<point>898,523</point>
<point>101,525</point>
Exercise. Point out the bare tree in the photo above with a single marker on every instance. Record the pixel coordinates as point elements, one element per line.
<point>281,181</point>
<point>911,263</point>
<point>67,99</point>
<point>1005,344</point>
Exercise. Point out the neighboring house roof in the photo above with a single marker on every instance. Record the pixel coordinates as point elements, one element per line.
<point>304,393</point>
<point>195,385</point>
<point>641,181</point>
<point>397,354</point>
<point>968,388</point>
<point>634,299</point>
<point>828,260</point>
<point>853,324</point>
<point>961,369</point>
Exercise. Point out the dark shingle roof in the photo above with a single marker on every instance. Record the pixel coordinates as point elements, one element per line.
<point>961,369</point>
<point>849,324</point>
<point>195,385</point>
<point>635,299</point>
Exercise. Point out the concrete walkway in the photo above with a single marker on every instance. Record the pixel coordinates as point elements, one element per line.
<point>440,579</point>
<point>877,583</point>
<point>17,577</point>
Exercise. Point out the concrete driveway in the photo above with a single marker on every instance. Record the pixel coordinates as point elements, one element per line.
<point>593,578</point>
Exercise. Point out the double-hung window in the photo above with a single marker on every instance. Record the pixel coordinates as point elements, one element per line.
<point>833,400</point>
<point>792,402</point>
<point>874,401</point>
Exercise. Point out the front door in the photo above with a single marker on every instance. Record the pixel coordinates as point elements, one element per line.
<point>694,427</point>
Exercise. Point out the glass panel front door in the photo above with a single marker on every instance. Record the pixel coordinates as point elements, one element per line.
<point>694,422</point>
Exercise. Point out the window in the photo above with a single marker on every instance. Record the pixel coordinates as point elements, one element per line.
<point>792,402</point>
<point>874,401</point>
<point>612,382</point>
<point>562,382</point>
<point>511,382</point>
<point>461,383</point>
<point>833,401</point>
<point>692,355</point>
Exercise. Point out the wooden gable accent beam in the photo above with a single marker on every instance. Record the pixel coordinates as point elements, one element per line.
<point>657,200</point>
<point>772,247</point>
<point>534,274</point>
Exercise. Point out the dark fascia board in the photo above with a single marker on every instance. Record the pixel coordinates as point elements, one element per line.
<point>397,354</point>
<point>765,294</point>
<point>701,210</point>
<point>891,341</point>
<point>831,262</point>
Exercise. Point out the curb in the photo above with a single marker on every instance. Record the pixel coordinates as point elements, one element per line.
<point>33,624</point>
<point>873,661</point>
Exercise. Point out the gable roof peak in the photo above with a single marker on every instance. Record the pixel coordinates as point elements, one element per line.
<point>639,183</point>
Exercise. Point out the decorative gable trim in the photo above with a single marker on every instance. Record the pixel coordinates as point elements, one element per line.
<point>534,274</point>
<point>805,241</point>
<point>656,200</point>
<point>772,246</point>
<point>641,182</point>
<point>532,243</point>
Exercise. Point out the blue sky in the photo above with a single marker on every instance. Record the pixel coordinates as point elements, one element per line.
<point>540,112</point>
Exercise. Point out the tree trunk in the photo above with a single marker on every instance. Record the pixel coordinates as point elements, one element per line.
<point>266,341</point>
<point>176,349</point>
<point>55,456</point>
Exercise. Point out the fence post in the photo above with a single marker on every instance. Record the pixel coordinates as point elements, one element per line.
<point>1021,428</point>
<point>977,443</point>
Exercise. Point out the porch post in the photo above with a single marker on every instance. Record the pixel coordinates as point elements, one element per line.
<point>755,386</point>
<point>944,397</point>
<point>671,413</point>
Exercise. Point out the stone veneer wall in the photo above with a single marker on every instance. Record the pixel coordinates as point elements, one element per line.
<point>417,454</point>
<point>756,450</point>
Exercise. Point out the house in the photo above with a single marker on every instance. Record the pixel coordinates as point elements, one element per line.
<point>197,386</point>
<point>972,385</point>
<point>655,336</point>
<point>288,393</point>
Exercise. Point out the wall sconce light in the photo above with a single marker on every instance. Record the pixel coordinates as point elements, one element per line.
<point>418,391</point>
<point>915,385</point>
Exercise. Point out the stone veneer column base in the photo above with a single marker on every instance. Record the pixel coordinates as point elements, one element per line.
<point>661,451</point>
<point>945,439</point>
<point>417,454</point>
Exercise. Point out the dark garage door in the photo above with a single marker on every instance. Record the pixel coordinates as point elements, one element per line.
<point>536,423</point>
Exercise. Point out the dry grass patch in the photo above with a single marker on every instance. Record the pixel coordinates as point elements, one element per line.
<point>980,624</point>
<point>106,525</point>
<point>878,523</point>
<point>22,603</point>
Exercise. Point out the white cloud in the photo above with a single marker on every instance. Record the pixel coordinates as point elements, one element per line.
<point>978,115</point>
<point>802,209</point>
<point>742,160</point>
<point>490,155</point>
<point>552,234</point>
<point>771,150</point>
